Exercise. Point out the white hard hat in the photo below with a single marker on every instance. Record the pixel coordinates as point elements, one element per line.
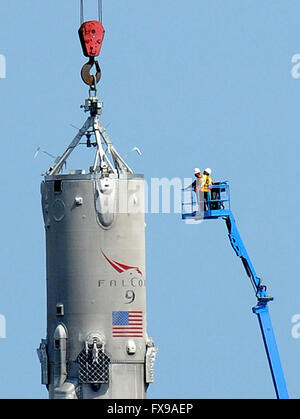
<point>197,170</point>
<point>208,171</point>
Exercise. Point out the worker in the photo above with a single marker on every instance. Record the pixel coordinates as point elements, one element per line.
<point>206,183</point>
<point>197,173</point>
<point>202,184</point>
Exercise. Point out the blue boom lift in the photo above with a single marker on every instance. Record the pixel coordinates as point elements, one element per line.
<point>216,205</point>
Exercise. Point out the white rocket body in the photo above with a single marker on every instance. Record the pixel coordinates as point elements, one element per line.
<point>97,344</point>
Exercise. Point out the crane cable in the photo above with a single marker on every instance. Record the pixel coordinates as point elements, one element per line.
<point>81,12</point>
<point>100,11</point>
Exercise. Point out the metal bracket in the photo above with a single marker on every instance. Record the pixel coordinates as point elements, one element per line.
<point>93,106</point>
<point>149,362</point>
<point>43,357</point>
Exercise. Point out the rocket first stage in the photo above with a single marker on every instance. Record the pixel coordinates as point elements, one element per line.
<point>97,344</point>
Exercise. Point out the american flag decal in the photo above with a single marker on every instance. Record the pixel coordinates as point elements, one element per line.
<point>127,324</point>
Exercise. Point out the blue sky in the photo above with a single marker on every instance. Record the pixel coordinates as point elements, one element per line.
<point>193,84</point>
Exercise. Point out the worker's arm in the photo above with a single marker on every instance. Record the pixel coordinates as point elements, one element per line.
<point>192,185</point>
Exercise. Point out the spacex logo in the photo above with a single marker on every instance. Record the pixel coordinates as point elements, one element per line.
<point>120,267</point>
<point>131,279</point>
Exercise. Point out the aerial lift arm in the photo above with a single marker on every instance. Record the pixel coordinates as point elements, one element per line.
<point>261,309</point>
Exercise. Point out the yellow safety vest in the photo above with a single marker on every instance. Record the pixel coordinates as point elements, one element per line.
<point>205,183</point>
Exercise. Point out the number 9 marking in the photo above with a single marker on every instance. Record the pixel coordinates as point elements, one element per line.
<point>130,295</point>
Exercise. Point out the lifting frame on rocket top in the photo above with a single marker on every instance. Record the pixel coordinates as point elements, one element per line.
<point>217,206</point>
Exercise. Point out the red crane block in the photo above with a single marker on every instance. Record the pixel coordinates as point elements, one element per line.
<point>91,36</point>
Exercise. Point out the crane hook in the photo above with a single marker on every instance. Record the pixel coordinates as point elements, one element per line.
<point>89,79</point>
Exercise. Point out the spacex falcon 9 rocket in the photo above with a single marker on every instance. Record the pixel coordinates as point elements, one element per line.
<point>97,344</point>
